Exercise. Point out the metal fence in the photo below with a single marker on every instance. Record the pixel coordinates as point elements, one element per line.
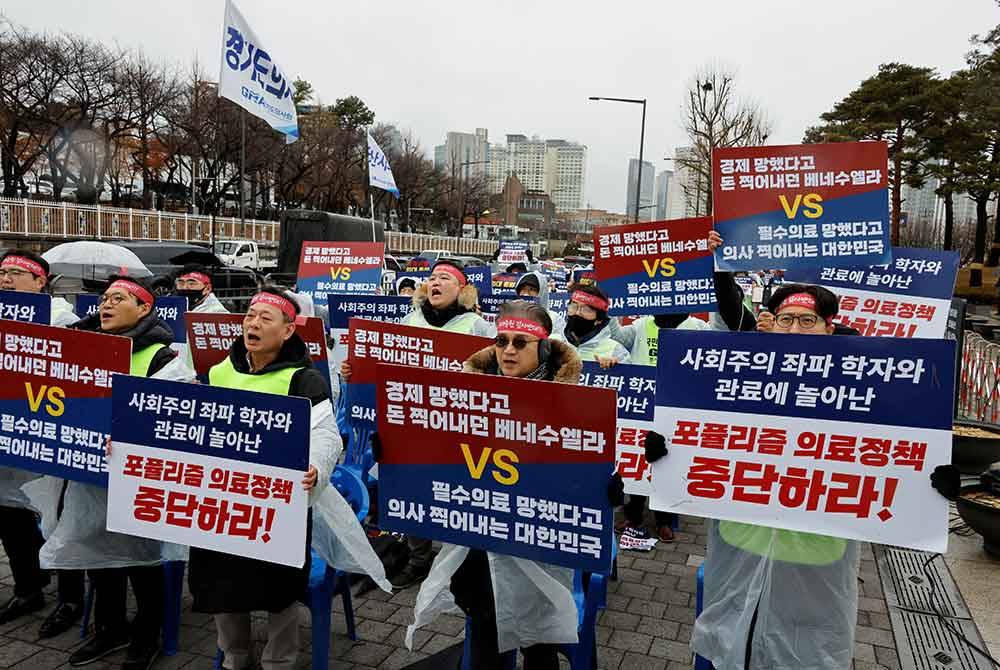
<point>979,385</point>
<point>42,219</point>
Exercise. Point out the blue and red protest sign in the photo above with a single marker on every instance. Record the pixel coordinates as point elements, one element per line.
<point>426,349</point>
<point>801,206</point>
<point>55,398</point>
<point>170,308</point>
<point>823,434</point>
<point>211,336</point>
<point>512,251</point>
<point>504,284</point>
<point>636,389</point>
<point>340,267</point>
<point>481,277</point>
<point>388,308</point>
<point>584,276</point>
<point>209,467</point>
<point>662,267</point>
<point>512,466</point>
<point>26,306</point>
<point>909,297</point>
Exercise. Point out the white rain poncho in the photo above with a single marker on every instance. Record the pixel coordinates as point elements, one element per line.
<point>804,588</point>
<point>558,323</point>
<point>79,539</point>
<point>209,305</point>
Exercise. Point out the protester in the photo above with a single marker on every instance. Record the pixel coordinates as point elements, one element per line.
<point>79,539</point>
<point>587,327</point>
<point>535,285</point>
<point>778,599</point>
<point>269,358</point>
<point>195,283</point>
<point>28,272</point>
<point>511,602</point>
<point>446,301</point>
<point>406,286</point>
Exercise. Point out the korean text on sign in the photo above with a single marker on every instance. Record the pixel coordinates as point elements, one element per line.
<point>483,461</point>
<point>55,414</point>
<point>830,435</point>
<point>372,342</point>
<point>801,206</point>
<point>210,467</point>
<point>344,307</point>
<point>25,306</point>
<point>656,268</point>
<point>909,297</point>
<point>340,267</point>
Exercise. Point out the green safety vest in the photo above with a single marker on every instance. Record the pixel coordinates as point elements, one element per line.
<point>224,375</point>
<point>460,324</point>
<point>142,359</point>
<point>644,347</point>
<point>783,545</point>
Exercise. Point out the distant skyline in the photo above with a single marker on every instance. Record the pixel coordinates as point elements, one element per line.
<point>438,66</point>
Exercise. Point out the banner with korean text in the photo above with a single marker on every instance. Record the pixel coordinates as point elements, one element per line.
<point>910,297</point>
<point>210,467</point>
<point>340,267</point>
<point>824,434</point>
<point>483,461</point>
<point>426,349</point>
<point>636,388</point>
<point>55,398</point>
<point>512,251</point>
<point>388,308</point>
<point>504,284</point>
<point>801,206</point>
<point>25,306</point>
<point>662,267</point>
<point>170,308</point>
<point>211,336</point>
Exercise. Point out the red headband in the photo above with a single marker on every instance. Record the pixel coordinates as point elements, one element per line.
<point>525,326</point>
<point>591,300</point>
<point>454,272</point>
<point>133,288</point>
<point>286,306</point>
<point>25,264</point>
<point>197,276</point>
<point>801,300</point>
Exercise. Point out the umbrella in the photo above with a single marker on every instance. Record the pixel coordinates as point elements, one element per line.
<point>87,259</point>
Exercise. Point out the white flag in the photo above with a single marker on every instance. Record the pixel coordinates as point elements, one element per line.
<point>251,78</point>
<point>379,172</point>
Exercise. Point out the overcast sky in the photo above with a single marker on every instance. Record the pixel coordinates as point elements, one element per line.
<point>528,67</point>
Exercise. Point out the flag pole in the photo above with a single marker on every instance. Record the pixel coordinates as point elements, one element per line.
<point>371,199</point>
<point>243,162</point>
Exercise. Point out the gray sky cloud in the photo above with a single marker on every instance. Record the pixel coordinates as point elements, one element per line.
<point>519,67</point>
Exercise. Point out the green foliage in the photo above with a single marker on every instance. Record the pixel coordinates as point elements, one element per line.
<point>303,91</point>
<point>352,113</point>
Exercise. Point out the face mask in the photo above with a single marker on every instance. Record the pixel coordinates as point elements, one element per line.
<point>193,295</point>
<point>579,326</point>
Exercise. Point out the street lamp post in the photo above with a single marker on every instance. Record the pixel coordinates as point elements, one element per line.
<point>642,140</point>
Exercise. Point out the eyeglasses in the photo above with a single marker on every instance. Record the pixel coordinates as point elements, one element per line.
<point>806,321</point>
<point>113,299</point>
<point>582,310</point>
<point>13,273</point>
<point>519,342</point>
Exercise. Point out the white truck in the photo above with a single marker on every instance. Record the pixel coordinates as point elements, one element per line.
<point>247,254</point>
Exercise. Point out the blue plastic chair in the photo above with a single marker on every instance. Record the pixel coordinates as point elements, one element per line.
<point>326,583</point>
<point>173,577</point>
<point>699,662</point>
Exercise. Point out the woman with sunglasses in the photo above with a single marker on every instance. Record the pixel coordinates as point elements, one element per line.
<point>511,602</point>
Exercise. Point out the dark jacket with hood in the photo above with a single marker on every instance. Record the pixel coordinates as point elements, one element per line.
<point>150,330</point>
<point>223,583</point>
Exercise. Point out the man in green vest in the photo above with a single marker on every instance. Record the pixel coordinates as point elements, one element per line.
<point>269,358</point>
<point>80,539</point>
<point>446,301</point>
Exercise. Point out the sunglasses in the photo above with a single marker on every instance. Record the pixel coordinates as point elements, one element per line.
<point>518,342</point>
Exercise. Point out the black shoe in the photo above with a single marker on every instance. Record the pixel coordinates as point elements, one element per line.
<point>19,606</point>
<point>409,575</point>
<point>140,656</point>
<point>61,620</point>
<point>97,647</point>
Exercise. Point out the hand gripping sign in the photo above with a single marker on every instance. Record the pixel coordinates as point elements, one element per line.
<point>834,435</point>
<point>209,467</point>
<point>801,206</point>
<point>55,409</point>
<point>512,466</point>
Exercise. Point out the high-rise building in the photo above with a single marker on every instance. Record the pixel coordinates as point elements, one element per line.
<point>662,194</point>
<point>465,154</point>
<point>686,193</point>
<point>646,189</point>
<point>565,173</point>
<point>440,151</point>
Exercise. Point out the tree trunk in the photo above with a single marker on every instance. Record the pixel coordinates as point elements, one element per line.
<point>897,185</point>
<point>979,252</point>
<point>949,220</point>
